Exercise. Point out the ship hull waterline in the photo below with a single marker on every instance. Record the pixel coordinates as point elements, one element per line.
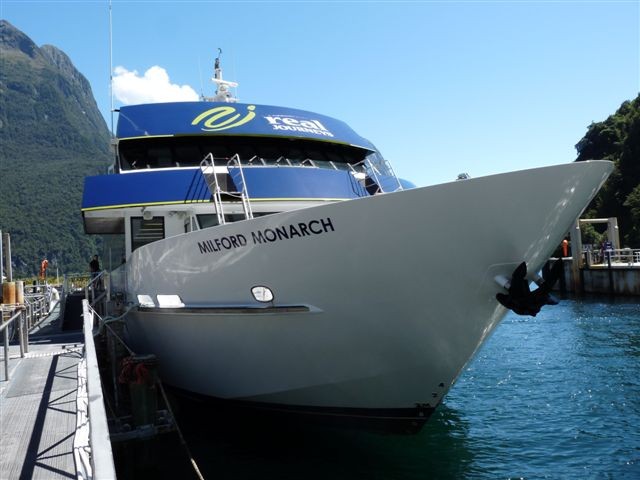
<point>379,302</point>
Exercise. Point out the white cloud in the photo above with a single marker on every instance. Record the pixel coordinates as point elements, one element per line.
<point>153,87</point>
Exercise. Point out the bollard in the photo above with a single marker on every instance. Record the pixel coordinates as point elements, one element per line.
<point>19,292</point>
<point>9,293</point>
<point>140,372</point>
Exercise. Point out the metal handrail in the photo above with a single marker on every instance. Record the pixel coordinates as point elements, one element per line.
<point>104,294</point>
<point>101,457</point>
<point>4,328</point>
<point>214,186</point>
<point>28,315</point>
<point>235,162</point>
<point>373,169</point>
<point>619,257</point>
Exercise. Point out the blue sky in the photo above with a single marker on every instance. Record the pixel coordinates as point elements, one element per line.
<point>441,87</point>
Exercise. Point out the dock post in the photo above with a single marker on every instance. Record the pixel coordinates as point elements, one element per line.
<point>142,377</point>
<point>576,254</point>
<point>116,352</point>
<point>6,246</point>
<point>6,353</point>
<point>611,289</point>
<point>613,232</point>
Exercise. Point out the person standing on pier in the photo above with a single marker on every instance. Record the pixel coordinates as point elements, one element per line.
<point>94,267</point>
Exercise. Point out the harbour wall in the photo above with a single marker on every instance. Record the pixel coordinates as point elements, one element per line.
<point>614,280</point>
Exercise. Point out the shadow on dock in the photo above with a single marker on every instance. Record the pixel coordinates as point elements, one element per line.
<point>38,411</point>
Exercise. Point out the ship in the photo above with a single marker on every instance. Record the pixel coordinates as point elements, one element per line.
<point>272,258</point>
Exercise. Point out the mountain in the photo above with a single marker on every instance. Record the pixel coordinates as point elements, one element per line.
<point>52,135</point>
<point>617,139</point>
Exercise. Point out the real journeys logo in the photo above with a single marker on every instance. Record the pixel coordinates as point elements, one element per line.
<point>293,124</point>
<point>223,118</point>
<point>226,117</point>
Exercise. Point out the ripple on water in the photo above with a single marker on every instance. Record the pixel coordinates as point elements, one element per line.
<point>556,396</point>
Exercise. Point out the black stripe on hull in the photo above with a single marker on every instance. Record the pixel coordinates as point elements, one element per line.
<point>386,420</point>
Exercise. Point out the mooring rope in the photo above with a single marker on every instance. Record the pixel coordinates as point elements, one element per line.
<point>182,440</point>
<point>105,322</point>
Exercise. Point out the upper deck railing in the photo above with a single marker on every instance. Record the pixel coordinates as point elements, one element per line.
<point>374,173</point>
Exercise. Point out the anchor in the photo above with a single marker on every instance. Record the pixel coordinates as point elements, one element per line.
<point>520,298</point>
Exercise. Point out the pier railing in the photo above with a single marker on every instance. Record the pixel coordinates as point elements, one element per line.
<point>92,444</point>
<point>17,317</point>
<point>97,292</point>
<point>622,257</point>
<point>22,317</point>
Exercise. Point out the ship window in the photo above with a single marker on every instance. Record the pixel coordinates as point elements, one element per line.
<point>218,150</point>
<point>162,152</point>
<point>315,154</point>
<point>146,231</point>
<point>187,155</point>
<point>269,152</point>
<point>207,220</point>
<point>160,158</point>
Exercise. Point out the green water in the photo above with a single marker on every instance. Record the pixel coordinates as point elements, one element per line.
<point>556,396</point>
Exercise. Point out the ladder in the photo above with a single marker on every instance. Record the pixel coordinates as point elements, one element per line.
<point>234,169</point>
<point>375,165</point>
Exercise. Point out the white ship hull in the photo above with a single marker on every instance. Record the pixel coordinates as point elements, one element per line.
<point>379,302</point>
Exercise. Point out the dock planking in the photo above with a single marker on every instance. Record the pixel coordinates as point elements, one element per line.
<point>38,406</point>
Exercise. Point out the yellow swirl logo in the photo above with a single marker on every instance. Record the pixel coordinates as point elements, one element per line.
<point>223,118</point>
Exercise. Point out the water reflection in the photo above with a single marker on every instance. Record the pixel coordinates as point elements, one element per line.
<point>273,449</point>
<point>233,447</point>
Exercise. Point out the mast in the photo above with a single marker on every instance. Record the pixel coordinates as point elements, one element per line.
<point>111,65</point>
<point>222,91</point>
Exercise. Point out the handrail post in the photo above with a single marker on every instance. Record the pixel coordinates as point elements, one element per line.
<point>246,203</point>
<point>21,329</point>
<point>26,332</point>
<point>207,162</point>
<point>6,353</point>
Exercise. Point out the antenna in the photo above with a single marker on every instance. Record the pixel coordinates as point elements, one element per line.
<point>222,92</point>
<point>111,65</point>
<point>202,97</point>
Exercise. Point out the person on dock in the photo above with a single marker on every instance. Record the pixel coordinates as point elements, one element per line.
<point>94,268</point>
<point>43,269</point>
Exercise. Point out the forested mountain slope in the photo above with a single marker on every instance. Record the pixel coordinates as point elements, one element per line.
<point>617,139</point>
<point>51,136</point>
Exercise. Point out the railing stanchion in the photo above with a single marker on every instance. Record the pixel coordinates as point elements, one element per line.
<point>26,331</point>
<point>21,329</point>
<point>6,353</point>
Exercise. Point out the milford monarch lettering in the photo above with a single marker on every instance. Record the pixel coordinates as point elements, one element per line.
<point>301,229</point>
<point>268,235</point>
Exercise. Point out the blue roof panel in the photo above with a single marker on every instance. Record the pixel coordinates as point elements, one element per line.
<point>214,118</point>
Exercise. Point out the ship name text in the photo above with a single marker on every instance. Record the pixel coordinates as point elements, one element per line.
<point>267,235</point>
